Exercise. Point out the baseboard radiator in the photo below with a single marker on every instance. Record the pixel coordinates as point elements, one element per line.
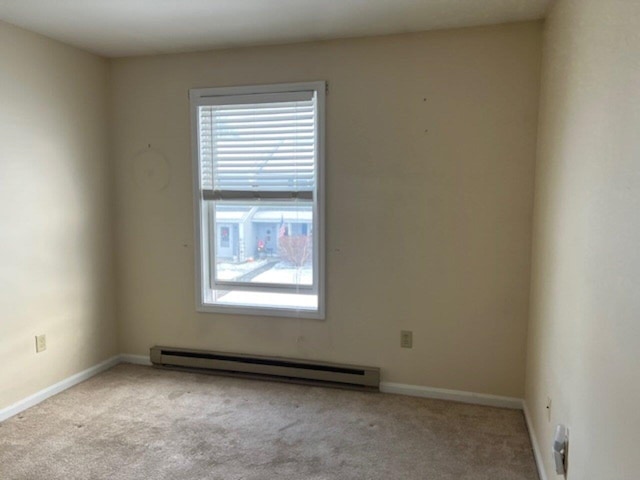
<point>274,368</point>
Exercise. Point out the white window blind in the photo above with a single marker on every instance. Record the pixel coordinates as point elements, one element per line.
<point>258,146</point>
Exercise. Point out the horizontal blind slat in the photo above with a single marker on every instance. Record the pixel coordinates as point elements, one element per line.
<point>264,145</point>
<point>238,132</point>
<point>254,137</point>
<point>253,165</point>
<point>253,115</point>
<point>299,151</point>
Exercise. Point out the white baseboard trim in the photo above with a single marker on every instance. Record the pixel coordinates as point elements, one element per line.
<point>135,359</point>
<point>537,453</point>
<point>56,388</point>
<point>453,395</point>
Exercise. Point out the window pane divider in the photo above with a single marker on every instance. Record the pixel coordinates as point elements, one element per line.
<point>266,287</point>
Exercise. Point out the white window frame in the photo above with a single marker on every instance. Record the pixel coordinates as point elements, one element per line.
<point>207,96</point>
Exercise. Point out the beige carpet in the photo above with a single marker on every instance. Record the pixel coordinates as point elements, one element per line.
<point>135,422</point>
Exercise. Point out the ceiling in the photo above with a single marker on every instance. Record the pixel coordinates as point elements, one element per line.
<point>116,28</point>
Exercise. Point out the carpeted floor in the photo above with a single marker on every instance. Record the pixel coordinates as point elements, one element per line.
<point>135,422</point>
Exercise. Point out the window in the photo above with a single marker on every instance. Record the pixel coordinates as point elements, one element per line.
<point>258,156</point>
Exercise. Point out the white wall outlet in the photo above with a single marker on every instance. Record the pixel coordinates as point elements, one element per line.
<point>548,408</point>
<point>406,339</point>
<point>41,343</point>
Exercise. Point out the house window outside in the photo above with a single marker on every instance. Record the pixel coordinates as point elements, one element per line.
<point>224,237</point>
<point>258,156</point>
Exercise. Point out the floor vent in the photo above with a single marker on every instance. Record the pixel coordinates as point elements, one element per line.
<point>298,371</point>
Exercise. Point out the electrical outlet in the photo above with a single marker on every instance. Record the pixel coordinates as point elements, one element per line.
<point>548,407</point>
<point>41,343</point>
<point>406,339</point>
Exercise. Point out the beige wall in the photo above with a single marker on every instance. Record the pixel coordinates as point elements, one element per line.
<point>584,329</point>
<point>430,157</point>
<point>55,238</point>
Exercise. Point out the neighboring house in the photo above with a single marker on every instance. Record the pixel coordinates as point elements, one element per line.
<point>252,232</point>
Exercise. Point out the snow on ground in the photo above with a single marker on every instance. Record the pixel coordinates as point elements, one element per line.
<point>280,273</point>
<point>286,275</point>
<point>231,271</point>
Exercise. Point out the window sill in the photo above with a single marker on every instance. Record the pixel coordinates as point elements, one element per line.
<point>264,304</point>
